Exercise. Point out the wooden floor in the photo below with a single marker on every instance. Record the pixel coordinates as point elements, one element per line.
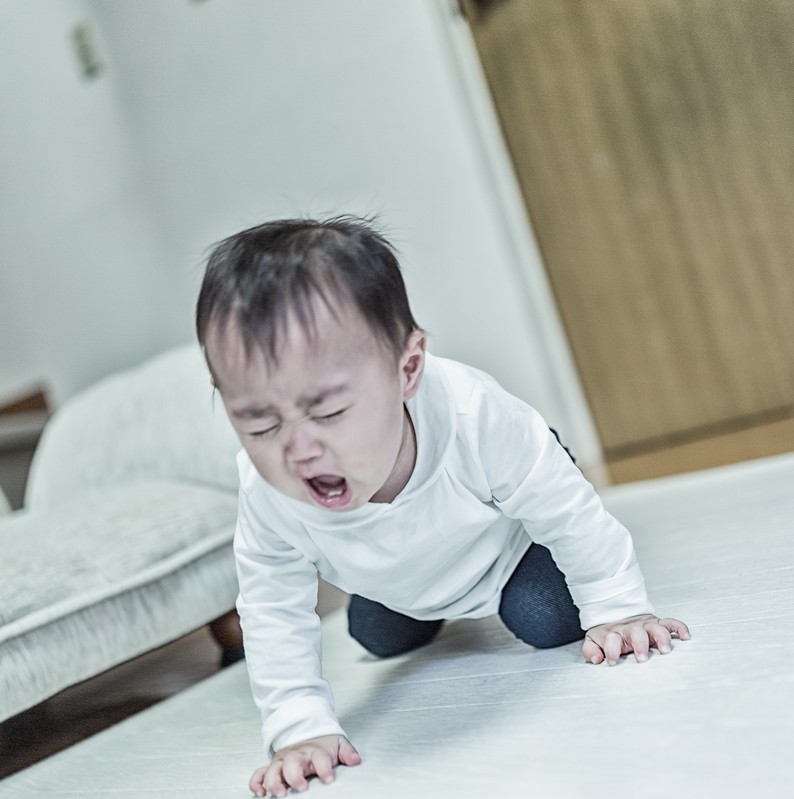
<point>477,713</point>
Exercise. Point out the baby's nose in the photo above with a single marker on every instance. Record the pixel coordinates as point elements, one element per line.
<point>301,444</point>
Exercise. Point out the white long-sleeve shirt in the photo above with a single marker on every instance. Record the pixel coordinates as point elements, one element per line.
<point>490,479</point>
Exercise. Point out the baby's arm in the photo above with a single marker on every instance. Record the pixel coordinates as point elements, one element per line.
<point>532,478</point>
<point>636,634</point>
<point>292,765</point>
<point>282,634</point>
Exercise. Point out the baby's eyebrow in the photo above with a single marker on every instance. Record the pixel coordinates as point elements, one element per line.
<point>254,412</point>
<point>322,396</point>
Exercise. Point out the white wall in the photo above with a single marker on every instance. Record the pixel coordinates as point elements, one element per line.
<point>83,283</point>
<point>215,115</point>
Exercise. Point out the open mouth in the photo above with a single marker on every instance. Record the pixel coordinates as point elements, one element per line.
<point>329,490</point>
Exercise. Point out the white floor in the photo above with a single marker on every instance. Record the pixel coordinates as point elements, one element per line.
<point>478,714</point>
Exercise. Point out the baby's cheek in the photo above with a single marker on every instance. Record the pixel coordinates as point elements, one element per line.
<point>266,464</point>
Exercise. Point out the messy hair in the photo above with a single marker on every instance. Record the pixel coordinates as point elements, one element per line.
<point>257,278</point>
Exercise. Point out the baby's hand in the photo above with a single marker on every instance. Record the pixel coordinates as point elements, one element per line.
<point>292,765</point>
<point>637,634</point>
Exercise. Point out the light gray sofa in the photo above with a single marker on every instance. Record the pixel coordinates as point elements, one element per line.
<point>124,541</point>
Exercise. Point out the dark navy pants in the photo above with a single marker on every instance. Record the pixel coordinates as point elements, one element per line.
<point>536,606</point>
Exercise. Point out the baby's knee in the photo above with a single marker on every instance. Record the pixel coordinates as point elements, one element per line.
<point>389,644</point>
<point>376,644</point>
<point>545,638</point>
<point>385,633</point>
<point>543,631</point>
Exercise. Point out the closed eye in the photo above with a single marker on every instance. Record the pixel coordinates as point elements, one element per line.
<point>329,417</point>
<point>270,431</point>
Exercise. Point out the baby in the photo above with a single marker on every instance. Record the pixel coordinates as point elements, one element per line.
<point>412,482</point>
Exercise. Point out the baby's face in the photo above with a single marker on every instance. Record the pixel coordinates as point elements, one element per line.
<point>325,424</point>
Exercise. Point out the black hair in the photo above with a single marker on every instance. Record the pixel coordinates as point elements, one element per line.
<point>258,277</point>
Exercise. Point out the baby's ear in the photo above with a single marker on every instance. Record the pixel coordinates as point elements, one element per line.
<point>412,362</point>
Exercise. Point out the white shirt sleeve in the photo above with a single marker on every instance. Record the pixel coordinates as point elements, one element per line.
<point>533,479</point>
<point>282,634</point>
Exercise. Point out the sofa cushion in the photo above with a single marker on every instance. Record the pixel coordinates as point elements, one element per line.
<point>159,420</point>
<point>111,574</point>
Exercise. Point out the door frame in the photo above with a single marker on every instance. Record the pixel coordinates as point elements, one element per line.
<point>475,96</point>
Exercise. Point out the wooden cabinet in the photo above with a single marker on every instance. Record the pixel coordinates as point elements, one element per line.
<point>654,145</point>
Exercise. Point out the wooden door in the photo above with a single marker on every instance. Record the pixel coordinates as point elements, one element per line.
<point>654,144</point>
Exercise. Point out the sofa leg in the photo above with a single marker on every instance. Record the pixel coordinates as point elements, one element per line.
<point>227,632</point>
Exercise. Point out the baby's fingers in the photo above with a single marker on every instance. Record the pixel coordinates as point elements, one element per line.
<point>256,783</point>
<point>294,772</point>
<point>613,647</point>
<point>640,642</point>
<point>275,782</point>
<point>322,765</point>
<point>348,755</point>
<point>591,651</point>
<point>659,637</point>
<point>676,628</point>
